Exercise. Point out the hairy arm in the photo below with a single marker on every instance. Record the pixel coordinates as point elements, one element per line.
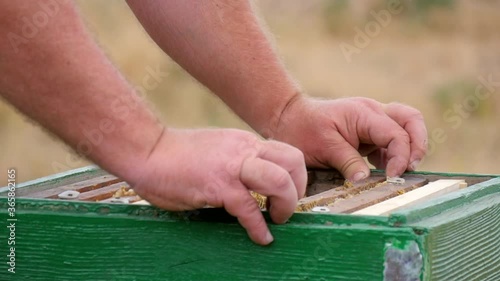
<point>221,43</point>
<point>56,74</point>
<point>53,71</point>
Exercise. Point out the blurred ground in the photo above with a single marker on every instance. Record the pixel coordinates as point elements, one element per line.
<point>432,55</point>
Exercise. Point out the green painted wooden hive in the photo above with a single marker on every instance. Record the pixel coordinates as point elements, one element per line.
<point>453,235</point>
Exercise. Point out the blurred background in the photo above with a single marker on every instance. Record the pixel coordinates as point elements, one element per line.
<point>437,56</point>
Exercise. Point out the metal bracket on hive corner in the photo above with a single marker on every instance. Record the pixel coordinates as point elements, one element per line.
<point>403,261</point>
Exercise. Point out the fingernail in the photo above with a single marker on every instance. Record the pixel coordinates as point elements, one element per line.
<point>414,164</point>
<point>359,176</point>
<point>269,238</point>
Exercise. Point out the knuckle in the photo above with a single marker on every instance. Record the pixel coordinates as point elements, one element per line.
<point>280,179</point>
<point>247,204</point>
<point>420,151</point>
<point>400,109</point>
<point>395,105</point>
<point>238,203</point>
<point>267,133</point>
<point>199,200</point>
<point>249,138</point>
<point>402,136</point>
<point>405,140</point>
<point>365,105</point>
<point>415,113</point>
<point>233,168</point>
<point>399,161</point>
<point>257,223</point>
<point>371,103</point>
<point>351,162</point>
<point>242,136</point>
<point>393,108</point>
<point>298,156</point>
<point>209,194</point>
<point>365,101</point>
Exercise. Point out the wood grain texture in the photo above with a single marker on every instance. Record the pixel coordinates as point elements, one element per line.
<point>332,194</point>
<point>376,194</point>
<point>464,243</point>
<point>82,186</point>
<point>457,235</point>
<point>102,192</point>
<point>433,189</point>
<point>322,180</point>
<point>90,246</point>
<point>470,179</point>
<point>436,206</point>
<point>59,179</point>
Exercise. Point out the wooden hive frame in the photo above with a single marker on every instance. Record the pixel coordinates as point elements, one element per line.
<point>451,237</point>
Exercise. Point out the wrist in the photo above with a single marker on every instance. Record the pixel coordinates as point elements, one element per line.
<point>280,116</point>
<point>162,152</point>
<point>126,151</point>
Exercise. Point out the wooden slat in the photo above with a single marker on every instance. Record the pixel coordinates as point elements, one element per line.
<point>375,195</point>
<point>329,196</point>
<point>130,199</point>
<point>323,180</point>
<point>142,202</point>
<point>82,186</point>
<point>321,187</point>
<point>101,193</point>
<point>432,189</point>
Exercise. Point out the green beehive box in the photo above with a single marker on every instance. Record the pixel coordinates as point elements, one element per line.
<point>455,236</point>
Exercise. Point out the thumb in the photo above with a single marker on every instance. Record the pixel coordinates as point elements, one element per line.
<point>349,162</point>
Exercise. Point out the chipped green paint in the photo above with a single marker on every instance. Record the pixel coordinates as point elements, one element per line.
<point>451,236</point>
<point>64,245</point>
<point>403,261</point>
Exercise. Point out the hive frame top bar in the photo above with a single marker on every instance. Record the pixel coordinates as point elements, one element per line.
<point>89,172</point>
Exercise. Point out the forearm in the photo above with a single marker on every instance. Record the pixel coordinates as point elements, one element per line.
<point>60,78</point>
<point>221,44</point>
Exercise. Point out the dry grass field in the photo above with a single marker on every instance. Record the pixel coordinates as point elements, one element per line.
<point>432,55</point>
